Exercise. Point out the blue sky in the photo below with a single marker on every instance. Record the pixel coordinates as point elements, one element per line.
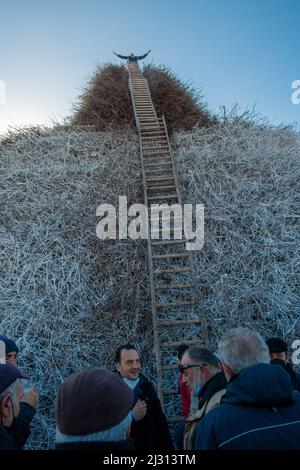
<point>237,51</point>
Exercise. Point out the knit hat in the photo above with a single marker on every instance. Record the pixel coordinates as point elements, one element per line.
<point>10,345</point>
<point>8,375</point>
<point>91,401</point>
<point>277,345</point>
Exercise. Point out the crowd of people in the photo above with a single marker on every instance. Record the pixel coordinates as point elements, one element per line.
<point>245,396</point>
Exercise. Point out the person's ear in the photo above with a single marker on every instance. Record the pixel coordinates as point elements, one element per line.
<point>118,367</point>
<point>206,373</point>
<point>128,432</point>
<point>6,406</point>
<point>227,371</point>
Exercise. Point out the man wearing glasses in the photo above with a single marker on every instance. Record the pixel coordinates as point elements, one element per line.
<point>201,371</point>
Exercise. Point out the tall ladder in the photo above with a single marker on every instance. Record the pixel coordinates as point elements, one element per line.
<point>171,266</point>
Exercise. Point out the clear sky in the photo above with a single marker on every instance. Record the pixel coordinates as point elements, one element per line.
<point>238,51</point>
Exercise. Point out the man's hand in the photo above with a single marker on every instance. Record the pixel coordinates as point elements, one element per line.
<point>31,397</point>
<point>139,410</point>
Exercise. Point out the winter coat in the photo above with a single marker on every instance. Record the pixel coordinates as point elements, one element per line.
<point>151,432</point>
<point>259,411</point>
<point>288,367</point>
<point>209,398</point>
<point>17,434</point>
<point>7,441</point>
<point>20,426</point>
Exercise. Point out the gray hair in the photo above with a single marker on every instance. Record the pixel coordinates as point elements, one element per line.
<point>11,390</point>
<point>116,433</point>
<point>203,355</point>
<point>241,348</point>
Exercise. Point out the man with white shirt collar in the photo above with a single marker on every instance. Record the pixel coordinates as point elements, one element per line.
<point>149,427</point>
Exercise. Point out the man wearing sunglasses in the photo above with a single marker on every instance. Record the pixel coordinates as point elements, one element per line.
<point>202,373</point>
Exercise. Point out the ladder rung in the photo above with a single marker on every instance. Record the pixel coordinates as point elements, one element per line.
<point>161,188</point>
<point>155,138</point>
<point>163,207</point>
<point>161,230</point>
<point>157,122</point>
<point>172,255</point>
<point>160,178</point>
<point>154,142</point>
<point>150,173</point>
<point>171,392</point>
<point>158,219</point>
<point>153,130</point>
<point>178,343</point>
<point>179,322</point>
<point>163,157</point>
<point>168,242</point>
<point>159,147</point>
<point>158,154</point>
<point>175,270</point>
<point>174,286</point>
<point>177,304</point>
<point>157,165</point>
<point>154,171</point>
<point>153,135</point>
<point>158,198</point>
<point>149,120</point>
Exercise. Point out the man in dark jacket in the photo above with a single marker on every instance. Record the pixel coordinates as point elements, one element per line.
<point>201,370</point>
<point>20,427</point>
<point>278,349</point>
<point>93,412</point>
<point>149,428</point>
<point>10,395</point>
<point>132,57</point>
<point>260,410</point>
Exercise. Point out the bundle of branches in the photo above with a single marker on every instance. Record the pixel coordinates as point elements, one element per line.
<point>179,102</point>
<point>106,102</point>
<point>69,299</point>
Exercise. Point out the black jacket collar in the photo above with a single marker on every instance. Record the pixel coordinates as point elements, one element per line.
<point>215,384</point>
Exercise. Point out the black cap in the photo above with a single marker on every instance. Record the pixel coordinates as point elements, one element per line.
<point>8,375</point>
<point>277,345</point>
<point>10,345</point>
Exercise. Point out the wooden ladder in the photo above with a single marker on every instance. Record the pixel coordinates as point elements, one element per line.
<point>171,266</point>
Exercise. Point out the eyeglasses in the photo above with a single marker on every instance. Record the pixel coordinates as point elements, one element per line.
<point>183,368</point>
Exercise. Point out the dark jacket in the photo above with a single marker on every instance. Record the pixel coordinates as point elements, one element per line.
<point>209,398</point>
<point>132,58</point>
<point>20,426</point>
<point>109,446</point>
<point>151,432</point>
<point>7,441</point>
<point>259,411</point>
<point>295,378</point>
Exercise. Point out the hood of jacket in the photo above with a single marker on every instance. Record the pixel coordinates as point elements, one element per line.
<point>261,385</point>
